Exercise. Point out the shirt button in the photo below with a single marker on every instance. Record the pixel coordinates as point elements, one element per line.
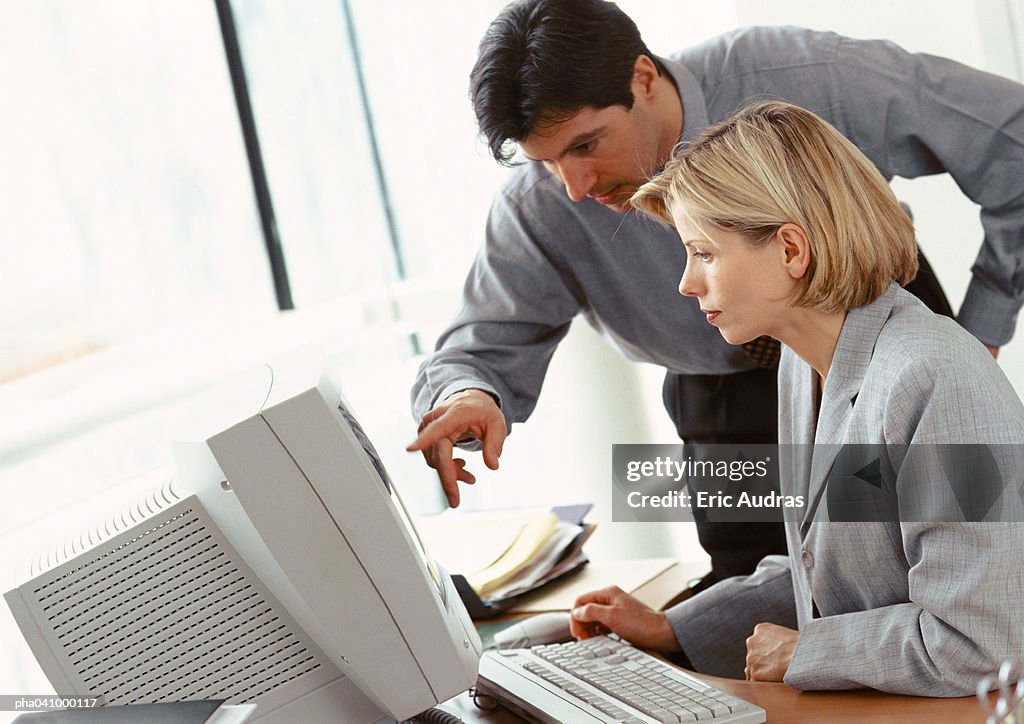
<point>807,559</point>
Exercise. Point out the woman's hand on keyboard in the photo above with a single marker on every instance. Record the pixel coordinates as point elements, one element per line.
<point>613,610</point>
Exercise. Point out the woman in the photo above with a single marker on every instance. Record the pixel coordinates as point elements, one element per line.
<point>791,232</point>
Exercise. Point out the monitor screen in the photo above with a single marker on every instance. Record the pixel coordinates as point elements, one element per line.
<point>279,567</point>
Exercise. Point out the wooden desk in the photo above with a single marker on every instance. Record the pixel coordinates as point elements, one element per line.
<point>784,705</point>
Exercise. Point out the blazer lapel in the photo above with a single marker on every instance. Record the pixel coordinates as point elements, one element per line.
<point>849,366</point>
<point>797,417</point>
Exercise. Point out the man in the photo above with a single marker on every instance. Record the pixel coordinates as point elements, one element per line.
<point>571,83</point>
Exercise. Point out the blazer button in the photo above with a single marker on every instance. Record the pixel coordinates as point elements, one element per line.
<point>807,559</point>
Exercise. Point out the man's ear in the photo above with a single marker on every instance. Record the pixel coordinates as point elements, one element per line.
<point>795,248</point>
<point>645,73</point>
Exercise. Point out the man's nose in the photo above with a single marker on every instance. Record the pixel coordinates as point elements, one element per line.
<point>577,178</point>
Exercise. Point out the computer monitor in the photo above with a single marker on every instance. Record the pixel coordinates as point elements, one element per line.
<point>277,567</point>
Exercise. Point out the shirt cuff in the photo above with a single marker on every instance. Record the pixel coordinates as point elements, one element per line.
<point>988,312</point>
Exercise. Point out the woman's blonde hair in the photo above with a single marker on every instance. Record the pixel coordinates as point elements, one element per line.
<point>774,163</point>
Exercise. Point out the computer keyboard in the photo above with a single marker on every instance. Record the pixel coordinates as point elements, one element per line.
<point>604,679</point>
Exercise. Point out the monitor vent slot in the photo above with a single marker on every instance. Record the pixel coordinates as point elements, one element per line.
<point>154,503</point>
<point>168,613</point>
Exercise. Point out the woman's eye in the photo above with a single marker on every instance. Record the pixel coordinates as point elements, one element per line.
<point>702,255</point>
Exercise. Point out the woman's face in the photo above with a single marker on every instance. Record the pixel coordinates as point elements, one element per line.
<point>744,290</point>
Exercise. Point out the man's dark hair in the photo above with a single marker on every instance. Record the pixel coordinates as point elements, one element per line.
<point>541,61</point>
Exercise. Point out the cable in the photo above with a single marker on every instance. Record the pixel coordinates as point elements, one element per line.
<point>489,703</point>
<point>434,716</point>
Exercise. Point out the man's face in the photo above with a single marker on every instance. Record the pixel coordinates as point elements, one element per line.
<point>602,153</point>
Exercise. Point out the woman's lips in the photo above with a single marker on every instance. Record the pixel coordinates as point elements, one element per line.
<point>712,316</point>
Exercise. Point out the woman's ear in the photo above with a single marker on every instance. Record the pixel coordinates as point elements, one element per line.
<point>795,248</point>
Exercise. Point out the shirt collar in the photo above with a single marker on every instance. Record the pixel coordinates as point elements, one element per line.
<point>695,108</point>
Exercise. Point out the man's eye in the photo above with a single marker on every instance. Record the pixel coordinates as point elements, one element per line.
<point>585,147</point>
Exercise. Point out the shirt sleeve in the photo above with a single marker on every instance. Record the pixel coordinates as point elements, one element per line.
<point>712,627</point>
<point>518,302</point>
<point>916,114</point>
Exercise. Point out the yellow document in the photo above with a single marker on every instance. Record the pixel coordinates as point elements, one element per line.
<point>464,542</point>
<point>519,555</point>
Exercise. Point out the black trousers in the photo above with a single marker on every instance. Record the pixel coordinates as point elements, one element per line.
<point>743,408</point>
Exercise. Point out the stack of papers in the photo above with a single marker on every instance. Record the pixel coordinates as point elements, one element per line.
<point>507,553</point>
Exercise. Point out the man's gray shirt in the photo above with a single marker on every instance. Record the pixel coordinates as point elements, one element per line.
<point>546,259</point>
